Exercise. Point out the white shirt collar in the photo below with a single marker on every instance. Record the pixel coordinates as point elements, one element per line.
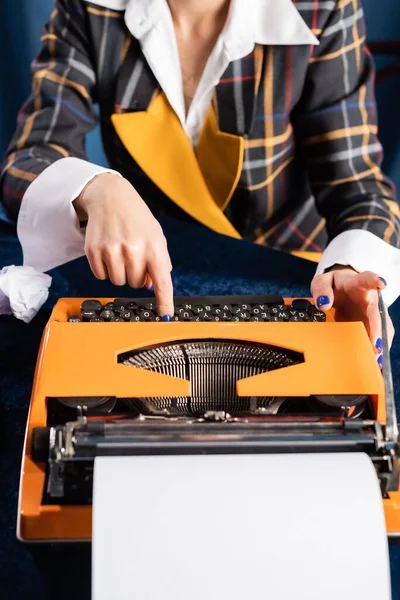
<point>267,22</point>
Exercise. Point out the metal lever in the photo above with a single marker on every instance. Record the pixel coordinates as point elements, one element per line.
<point>391,429</point>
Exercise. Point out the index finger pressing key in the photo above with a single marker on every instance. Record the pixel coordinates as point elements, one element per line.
<point>159,271</point>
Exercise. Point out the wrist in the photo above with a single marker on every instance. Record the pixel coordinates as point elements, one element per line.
<point>84,201</point>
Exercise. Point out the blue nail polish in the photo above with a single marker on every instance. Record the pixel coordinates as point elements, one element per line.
<point>322,301</point>
<point>152,288</point>
<point>166,318</point>
<point>379,345</point>
<point>384,280</point>
<point>380,361</point>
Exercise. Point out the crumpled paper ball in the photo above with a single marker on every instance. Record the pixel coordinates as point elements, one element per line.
<point>23,291</point>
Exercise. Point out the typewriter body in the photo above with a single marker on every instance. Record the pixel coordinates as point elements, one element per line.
<point>258,374</point>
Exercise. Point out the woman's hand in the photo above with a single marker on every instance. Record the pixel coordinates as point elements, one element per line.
<point>355,296</point>
<point>123,240</point>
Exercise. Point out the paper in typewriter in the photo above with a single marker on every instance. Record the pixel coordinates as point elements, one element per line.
<point>239,527</point>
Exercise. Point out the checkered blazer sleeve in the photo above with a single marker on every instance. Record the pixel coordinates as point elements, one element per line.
<point>53,122</point>
<point>336,131</point>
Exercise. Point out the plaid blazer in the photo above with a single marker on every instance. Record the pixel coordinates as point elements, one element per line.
<point>312,159</point>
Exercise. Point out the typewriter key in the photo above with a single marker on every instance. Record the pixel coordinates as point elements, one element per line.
<point>134,318</point>
<point>197,310</point>
<point>197,318</point>
<point>186,315</point>
<point>91,305</point>
<point>255,318</point>
<point>303,315</point>
<point>126,315</point>
<point>295,319</point>
<point>74,319</point>
<point>131,306</point>
<point>226,307</point>
<point>301,304</point>
<point>217,311</point>
<point>107,315</point>
<point>176,318</point>
<point>147,315</point>
<point>150,305</point>
<point>87,315</point>
<point>188,306</point>
<point>244,315</point>
<point>207,315</point>
<point>96,320</point>
<point>116,320</point>
<point>226,315</point>
<point>109,306</point>
<point>318,317</point>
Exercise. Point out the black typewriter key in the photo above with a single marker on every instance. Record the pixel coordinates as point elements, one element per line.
<point>208,308</point>
<point>197,318</point>
<point>147,315</point>
<point>255,311</point>
<point>116,320</point>
<point>176,318</point>
<point>109,306</point>
<point>126,315</point>
<point>235,319</point>
<point>293,312</point>
<point>91,305</point>
<point>132,306</point>
<point>217,310</point>
<point>96,320</point>
<point>87,315</point>
<point>150,305</point>
<point>186,315</point>
<point>301,304</point>
<point>226,307</point>
<point>244,315</point>
<point>303,315</point>
<point>226,315</point>
<point>107,315</point>
<point>156,318</point>
<point>197,310</point>
<point>207,315</point>
<point>318,317</point>
<point>188,306</point>
<point>265,316</point>
<point>256,319</point>
<point>295,319</point>
<point>134,318</point>
<point>74,319</point>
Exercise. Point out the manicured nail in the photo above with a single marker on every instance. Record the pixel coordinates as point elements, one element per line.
<point>379,345</point>
<point>384,281</point>
<point>380,361</point>
<point>322,301</point>
<point>151,289</point>
<point>166,318</point>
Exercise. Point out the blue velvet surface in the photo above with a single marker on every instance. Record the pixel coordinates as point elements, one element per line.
<point>204,263</point>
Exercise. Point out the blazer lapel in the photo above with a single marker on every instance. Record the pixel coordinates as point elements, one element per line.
<point>157,142</point>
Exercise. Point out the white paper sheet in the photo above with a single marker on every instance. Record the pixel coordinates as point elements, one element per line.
<point>244,527</point>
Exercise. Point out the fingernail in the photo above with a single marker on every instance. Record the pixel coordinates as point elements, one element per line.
<point>379,345</point>
<point>380,361</point>
<point>166,318</point>
<point>384,280</point>
<point>151,289</point>
<point>322,301</point>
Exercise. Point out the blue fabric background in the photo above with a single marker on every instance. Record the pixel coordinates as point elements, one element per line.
<point>21,22</point>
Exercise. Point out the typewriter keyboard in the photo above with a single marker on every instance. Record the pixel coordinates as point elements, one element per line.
<point>257,308</point>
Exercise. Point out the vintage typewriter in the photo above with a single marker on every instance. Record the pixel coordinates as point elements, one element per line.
<point>238,374</point>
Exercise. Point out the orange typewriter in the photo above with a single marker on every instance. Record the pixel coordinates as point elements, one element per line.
<point>232,374</point>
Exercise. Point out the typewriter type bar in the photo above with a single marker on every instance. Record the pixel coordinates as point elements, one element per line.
<point>113,388</point>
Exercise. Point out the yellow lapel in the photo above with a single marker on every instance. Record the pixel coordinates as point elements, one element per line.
<point>200,183</point>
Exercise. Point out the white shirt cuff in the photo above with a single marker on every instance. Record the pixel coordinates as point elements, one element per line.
<point>48,226</point>
<point>364,251</point>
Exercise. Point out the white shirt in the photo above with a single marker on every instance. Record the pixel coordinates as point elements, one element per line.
<point>47,225</point>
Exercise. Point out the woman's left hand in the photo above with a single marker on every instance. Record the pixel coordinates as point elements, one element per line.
<point>355,296</point>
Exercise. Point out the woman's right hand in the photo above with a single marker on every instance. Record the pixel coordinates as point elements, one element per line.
<point>123,240</point>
